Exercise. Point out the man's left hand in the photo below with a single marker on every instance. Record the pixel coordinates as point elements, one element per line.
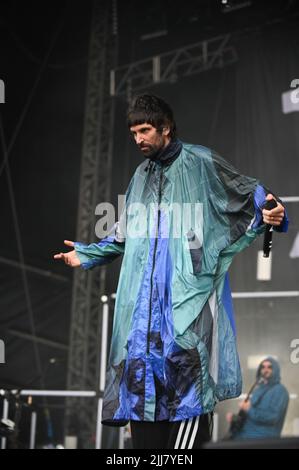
<point>274,216</point>
<point>245,406</point>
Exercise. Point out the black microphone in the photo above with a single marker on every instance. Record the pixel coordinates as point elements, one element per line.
<point>269,205</point>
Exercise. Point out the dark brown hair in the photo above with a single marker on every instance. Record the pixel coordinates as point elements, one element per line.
<point>152,110</point>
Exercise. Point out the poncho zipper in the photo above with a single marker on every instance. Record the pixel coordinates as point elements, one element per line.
<point>154,263</point>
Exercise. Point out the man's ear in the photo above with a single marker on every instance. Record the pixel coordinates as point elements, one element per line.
<point>166,131</point>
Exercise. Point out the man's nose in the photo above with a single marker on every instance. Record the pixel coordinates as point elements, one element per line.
<point>139,139</point>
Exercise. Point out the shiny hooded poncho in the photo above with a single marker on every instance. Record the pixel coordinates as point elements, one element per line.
<point>173,352</point>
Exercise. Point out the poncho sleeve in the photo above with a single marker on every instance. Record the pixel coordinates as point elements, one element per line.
<point>237,202</point>
<point>110,247</point>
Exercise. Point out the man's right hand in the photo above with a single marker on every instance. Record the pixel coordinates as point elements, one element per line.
<point>71,258</point>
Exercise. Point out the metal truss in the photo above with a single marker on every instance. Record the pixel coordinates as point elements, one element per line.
<point>174,65</point>
<point>88,287</point>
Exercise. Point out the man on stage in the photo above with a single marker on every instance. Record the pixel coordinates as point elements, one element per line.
<point>173,351</point>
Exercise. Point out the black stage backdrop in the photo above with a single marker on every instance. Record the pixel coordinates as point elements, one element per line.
<point>236,110</point>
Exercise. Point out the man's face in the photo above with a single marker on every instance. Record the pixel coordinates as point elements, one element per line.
<point>148,139</point>
<point>266,370</point>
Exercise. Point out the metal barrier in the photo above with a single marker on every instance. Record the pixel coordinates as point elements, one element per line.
<point>49,394</point>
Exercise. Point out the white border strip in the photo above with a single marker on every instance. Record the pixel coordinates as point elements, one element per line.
<point>52,393</point>
<point>293,396</point>
<point>262,294</point>
<point>4,416</point>
<point>104,347</point>
<point>256,295</point>
<point>290,199</point>
<point>33,430</point>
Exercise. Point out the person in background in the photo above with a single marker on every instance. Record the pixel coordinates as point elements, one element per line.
<point>264,414</point>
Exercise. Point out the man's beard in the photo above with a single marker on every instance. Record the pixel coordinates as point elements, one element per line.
<point>266,377</point>
<point>151,150</point>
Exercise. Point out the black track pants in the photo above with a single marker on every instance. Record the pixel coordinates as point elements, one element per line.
<point>189,434</point>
